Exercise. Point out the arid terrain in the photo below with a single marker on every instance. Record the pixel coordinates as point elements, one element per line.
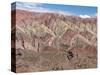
<point>52,41</point>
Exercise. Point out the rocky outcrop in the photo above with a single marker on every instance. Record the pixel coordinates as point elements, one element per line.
<point>64,42</point>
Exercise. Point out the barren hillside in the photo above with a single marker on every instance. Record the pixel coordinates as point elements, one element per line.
<point>52,41</point>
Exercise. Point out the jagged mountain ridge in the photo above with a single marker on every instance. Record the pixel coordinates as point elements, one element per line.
<point>61,41</point>
<point>54,26</point>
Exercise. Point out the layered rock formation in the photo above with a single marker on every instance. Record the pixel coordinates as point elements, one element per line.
<point>51,41</point>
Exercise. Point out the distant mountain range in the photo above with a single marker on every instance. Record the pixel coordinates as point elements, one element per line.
<point>53,26</point>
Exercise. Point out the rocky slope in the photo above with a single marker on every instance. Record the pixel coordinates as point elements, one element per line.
<point>61,41</point>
